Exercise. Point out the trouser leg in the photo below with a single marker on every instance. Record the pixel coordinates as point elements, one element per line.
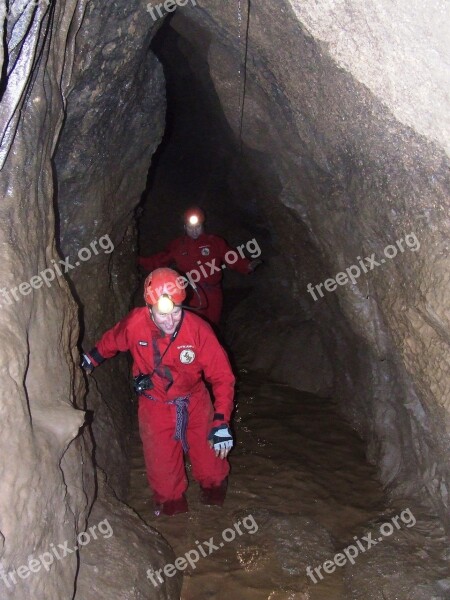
<point>163,456</point>
<point>211,472</point>
<point>215,301</point>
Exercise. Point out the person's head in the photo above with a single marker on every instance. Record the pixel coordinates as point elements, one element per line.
<point>194,219</point>
<point>164,294</point>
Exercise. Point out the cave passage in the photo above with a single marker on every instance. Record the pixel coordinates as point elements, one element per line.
<point>301,493</point>
<point>300,486</point>
<point>315,135</point>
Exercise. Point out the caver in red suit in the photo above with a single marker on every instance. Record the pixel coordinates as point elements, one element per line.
<point>175,410</point>
<point>205,255</point>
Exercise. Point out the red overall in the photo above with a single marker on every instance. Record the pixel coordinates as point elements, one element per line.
<point>194,351</point>
<point>206,256</point>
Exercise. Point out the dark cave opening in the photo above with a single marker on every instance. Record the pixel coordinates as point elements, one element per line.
<point>200,163</point>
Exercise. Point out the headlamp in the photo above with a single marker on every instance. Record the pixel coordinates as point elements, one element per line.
<point>165,304</point>
<point>193,220</point>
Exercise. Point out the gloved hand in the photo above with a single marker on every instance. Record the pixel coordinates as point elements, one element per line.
<point>221,440</point>
<point>86,364</point>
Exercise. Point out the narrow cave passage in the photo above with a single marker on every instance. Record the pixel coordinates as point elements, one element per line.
<point>300,487</point>
<point>300,492</point>
<point>319,132</point>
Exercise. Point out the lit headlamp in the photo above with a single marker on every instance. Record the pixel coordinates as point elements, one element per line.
<point>194,216</point>
<point>193,220</point>
<point>165,304</point>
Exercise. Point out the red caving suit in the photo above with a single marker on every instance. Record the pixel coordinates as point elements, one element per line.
<point>194,351</point>
<point>186,254</point>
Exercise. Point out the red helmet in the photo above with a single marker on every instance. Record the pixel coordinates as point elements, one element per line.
<point>164,282</point>
<point>194,216</point>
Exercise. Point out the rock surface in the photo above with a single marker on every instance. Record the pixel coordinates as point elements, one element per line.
<point>115,564</point>
<point>342,128</point>
<point>47,475</point>
<point>114,122</point>
<point>87,64</point>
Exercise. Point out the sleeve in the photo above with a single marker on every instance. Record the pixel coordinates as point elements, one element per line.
<point>113,341</point>
<point>217,371</point>
<point>242,265</point>
<point>161,259</point>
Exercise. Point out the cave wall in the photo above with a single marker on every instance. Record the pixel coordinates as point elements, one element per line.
<point>114,122</point>
<point>47,474</point>
<point>84,66</point>
<point>334,119</point>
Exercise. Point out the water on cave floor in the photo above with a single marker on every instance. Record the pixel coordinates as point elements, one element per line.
<point>302,491</point>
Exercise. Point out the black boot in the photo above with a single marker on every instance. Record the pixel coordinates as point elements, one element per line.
<point>215,495</point>
<point>172,507</point>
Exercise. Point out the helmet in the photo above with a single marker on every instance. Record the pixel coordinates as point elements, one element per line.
<point>194,216</point>
<point>164,287</point>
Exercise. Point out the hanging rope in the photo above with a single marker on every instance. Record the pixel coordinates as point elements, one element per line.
<point>243,84</point>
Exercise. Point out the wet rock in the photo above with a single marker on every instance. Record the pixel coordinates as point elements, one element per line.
<point>399,566</point>
<point>87,65</point>
<point>115,564</point>
<point>285,350</point>
<point>114,122</point>
<point>332,119</point>
<point>47,476</point>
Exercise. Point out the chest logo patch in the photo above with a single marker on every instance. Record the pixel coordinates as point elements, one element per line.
<point>187,357</point>
<point>205,251</point>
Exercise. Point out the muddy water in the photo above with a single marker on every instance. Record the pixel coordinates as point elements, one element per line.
<point>300,492</point>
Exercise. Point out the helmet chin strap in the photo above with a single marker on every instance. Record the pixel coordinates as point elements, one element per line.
<point>201,305</point>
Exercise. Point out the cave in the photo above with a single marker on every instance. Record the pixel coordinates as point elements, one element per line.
<point>314,135</point>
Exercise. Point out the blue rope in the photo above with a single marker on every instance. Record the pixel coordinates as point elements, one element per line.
<point>182,420</point>
<point>182,417</point>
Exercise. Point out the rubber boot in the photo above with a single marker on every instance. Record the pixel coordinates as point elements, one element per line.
<point>214,496</point>
<point>172,507</point>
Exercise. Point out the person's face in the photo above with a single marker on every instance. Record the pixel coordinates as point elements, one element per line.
<point>166,322</point>
<point>194,231</point>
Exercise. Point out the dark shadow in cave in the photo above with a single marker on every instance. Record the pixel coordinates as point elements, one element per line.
<point>195,160</point>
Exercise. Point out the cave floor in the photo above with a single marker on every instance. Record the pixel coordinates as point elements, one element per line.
<point>302,491</point>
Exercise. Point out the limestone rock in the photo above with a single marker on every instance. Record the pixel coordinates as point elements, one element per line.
<point>332,106</point>
<point>56,70</point>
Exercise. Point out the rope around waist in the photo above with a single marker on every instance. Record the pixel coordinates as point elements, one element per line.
<point>182,417</point>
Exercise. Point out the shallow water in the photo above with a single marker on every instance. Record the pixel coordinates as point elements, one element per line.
<point>302,491</point>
